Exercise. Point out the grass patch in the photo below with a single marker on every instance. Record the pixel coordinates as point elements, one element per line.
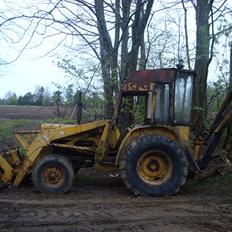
<point>60,120</point>
<point>214,184</point>
<point>9,126</point>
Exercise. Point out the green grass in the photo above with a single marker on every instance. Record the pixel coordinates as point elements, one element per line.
<point>215,180</point>
<point>59,120</point>
<point>8,126</point>
<point>221,184</point>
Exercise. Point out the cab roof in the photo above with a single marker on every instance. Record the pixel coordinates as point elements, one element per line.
<point>155,75</point>
<point>140,80</point>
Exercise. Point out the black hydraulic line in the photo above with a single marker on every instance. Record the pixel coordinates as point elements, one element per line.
<point>207,156</point>
<point>225,109</point>
<point>79,108</point>
<point>222,119</point>
<point>194,165</point>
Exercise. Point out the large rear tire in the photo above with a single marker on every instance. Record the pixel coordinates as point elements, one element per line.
<point>153,166</point>
<point>53,174</point>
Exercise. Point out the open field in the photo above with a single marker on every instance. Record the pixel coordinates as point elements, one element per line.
<point>29,112</point>
<point>13,118</point>
<point>98,203</point>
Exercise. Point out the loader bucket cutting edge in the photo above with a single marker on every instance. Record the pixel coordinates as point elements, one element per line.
<point>6,170</point>
<point>8,161</point>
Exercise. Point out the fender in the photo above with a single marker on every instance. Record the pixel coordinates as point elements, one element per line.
<point>159,130</point>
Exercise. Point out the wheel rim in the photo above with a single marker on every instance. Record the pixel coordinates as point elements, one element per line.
<point>154,167</point>
<point>53,176</point>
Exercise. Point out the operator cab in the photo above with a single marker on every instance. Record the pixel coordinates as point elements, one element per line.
<point>162,96</point>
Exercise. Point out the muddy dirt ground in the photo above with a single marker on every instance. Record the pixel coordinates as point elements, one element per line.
<point>100,203</point>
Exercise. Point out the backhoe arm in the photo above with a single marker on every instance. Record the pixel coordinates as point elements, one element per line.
<point>221,121</point>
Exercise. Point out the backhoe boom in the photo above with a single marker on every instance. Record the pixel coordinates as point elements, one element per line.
<point>222,120</point>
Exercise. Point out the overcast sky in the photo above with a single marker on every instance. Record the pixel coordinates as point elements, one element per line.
<point>25,74</point>
<point>33,68</point>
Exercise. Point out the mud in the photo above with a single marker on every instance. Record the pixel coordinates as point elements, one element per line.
<point>100,203</point>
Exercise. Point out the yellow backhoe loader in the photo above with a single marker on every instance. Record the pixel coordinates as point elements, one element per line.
<point>148,140</point>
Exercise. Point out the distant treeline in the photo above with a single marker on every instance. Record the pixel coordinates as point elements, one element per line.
<point>41,97</point>
<point>93,103</point>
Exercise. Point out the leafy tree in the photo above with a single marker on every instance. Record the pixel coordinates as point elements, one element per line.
<point>57,100</point>
<point>69,95</point>
<point>39,95</point>
<point>206,11</point>
<point>11,98</point>
<point>27,99</point>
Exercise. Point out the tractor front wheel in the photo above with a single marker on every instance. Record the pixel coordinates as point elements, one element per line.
<point>153,166</point>
<point>53,174</point>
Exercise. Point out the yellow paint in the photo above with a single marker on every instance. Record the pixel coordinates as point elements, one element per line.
<point>196,150</point>
<point>13,157</point>
<point>48,134</point>
<point>22,141</point>
<point>183,133</point>
<point>154,167</point>
<point>7,170</point>
<point>114,137</point>
<point>107,136</point>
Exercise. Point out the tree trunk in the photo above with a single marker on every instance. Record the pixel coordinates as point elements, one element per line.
<point>201,63</point>
<point>109,52</point>
<point>106,52</point>
<point>139,24</point>
<point>228,137</point>
<point>142,60</point>
<point>230,79</point>
<point>138,27</point>
<point>114,65</point>
<point>125,36</point>
<point>186,34</point>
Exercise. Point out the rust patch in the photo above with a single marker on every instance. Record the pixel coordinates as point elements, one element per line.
<point>136,86</point>
<point>143,80</point>
<point>151,76</point>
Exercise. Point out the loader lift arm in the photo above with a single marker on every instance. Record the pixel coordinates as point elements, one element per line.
<point>221,121</point>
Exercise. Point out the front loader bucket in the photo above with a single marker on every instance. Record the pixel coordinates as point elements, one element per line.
<point>8,163</point>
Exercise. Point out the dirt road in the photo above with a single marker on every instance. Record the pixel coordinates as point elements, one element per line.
<point>100,203</point>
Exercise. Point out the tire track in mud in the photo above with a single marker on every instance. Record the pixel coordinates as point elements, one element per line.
<point>149,224</point>
<point>132,215</point>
